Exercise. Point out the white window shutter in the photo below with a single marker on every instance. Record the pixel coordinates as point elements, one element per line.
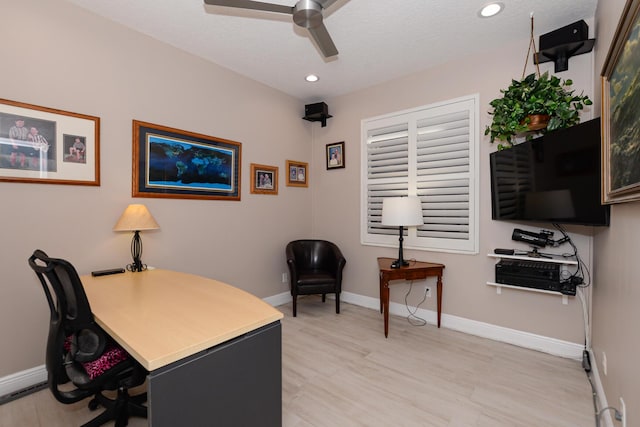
<point>429,152</point>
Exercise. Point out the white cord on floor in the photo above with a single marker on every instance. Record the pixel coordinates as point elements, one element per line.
<point>412,318</point>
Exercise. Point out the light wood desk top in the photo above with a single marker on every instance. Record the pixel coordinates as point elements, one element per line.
<point>161,316</point>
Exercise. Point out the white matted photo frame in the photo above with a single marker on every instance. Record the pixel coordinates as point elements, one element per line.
<point>335,155</point>
<point>620,115</point>
<point>264,179</point>
<point>297,174</point>
<point>48,146</point>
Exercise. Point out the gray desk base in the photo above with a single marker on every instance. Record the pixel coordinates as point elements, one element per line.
<point>237,383</point>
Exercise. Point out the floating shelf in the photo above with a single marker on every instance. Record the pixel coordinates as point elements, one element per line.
<point>499,286</point>
<point>553,259</point>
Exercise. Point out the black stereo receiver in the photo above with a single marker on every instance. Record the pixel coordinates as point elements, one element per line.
<point>533,274</point>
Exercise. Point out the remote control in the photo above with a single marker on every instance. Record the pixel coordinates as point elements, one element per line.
<point>107,272</point>
<point>504,251</point>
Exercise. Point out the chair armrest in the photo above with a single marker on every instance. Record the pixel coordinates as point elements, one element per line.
<point>339,258</point>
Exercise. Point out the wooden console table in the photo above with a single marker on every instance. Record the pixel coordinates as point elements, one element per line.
<point>416,270</point>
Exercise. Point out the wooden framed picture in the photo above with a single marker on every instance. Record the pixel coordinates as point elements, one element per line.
<point>620,115</point>
<point>264,179</point>
<point>335,155</point>
<point>48,146</point>
<point>297,174</point>
<point>173,163</point>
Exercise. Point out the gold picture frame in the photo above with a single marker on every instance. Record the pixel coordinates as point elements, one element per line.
<point>264,179</point>
<point>297,174</point>
<point>620,116</point>
<point>178,164</point>
<point>48,146</point>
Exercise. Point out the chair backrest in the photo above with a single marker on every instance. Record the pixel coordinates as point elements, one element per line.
<point>64,291</point>
<point>311,254</point>
<point>70,313</point>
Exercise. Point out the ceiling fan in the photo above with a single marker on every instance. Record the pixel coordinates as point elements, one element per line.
<point>306,14</point>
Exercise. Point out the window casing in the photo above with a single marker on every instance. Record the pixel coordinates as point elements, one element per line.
<point>429,152</point>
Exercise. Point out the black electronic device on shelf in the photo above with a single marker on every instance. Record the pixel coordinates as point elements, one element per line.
<point>318,112</point>
<point>554,178</point>
<point>534,274</point>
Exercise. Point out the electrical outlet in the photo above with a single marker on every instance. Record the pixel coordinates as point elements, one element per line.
<point>623,413</point>
<point>285,277</point>
<point>428,292</point>
<point>604,363</point>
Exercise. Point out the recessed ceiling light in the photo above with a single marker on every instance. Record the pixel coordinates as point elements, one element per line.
<point>312,78</point>
<point>491,9</point>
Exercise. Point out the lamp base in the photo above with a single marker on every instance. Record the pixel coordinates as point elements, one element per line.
<point>399,263</point>
<point>136,266</point>
<point>136,252</point>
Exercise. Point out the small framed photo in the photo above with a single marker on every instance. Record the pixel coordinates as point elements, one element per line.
<point>48,146</point>
<point>264,179</point>
<point>335,155</point>
<point>297,174</point>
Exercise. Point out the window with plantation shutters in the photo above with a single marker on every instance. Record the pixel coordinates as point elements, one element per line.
<point>427,152</point>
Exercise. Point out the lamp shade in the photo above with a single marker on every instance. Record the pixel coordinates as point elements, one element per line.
<point>402,211</point>
<point>136,218</point>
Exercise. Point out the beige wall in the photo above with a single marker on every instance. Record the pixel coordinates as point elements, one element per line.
<point>72,60</point>
<point>616,315</point>
<point>465,291</point>
<point>59,56</point>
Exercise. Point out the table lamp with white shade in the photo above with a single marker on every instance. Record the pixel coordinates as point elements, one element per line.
<point>401,212</point>
<point>136,218</point>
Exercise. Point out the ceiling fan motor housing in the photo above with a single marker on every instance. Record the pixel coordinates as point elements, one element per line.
<point>307,14</point>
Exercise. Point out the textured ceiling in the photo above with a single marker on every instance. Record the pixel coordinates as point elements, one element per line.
<point>378,40</point>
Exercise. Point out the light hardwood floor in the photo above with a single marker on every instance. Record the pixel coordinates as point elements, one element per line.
<point>339,370</point>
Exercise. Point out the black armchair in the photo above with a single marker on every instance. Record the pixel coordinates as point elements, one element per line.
<point>78,350</point>
<point>315,267</point>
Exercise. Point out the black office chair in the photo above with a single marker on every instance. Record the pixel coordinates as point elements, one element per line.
<point>78,350</point>
<point>315,267</point>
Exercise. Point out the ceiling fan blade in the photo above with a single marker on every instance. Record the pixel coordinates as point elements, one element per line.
<point>323,40</point>
<point>325,3</point>
<point>249,4</point>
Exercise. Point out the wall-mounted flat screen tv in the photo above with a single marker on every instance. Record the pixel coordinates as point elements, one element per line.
<point>554,178</point>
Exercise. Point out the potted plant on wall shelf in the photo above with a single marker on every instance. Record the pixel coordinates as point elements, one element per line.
<point>534,105</point>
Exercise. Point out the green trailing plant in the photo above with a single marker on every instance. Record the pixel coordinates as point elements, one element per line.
<point>532,96</point>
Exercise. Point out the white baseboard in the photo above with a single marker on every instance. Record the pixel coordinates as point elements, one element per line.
<point>279,299</point>
<point>22,380</point>
<point>30,377</point>
<point>599,389</point>
<point>486,330</point>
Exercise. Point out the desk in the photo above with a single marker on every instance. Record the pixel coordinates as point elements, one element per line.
<point>213,351</point>
<point>416,270</point>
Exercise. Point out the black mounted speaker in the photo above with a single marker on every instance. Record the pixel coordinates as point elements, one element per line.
<point>318,112</point>
<point>576,32</point>
<point>560,45</point>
